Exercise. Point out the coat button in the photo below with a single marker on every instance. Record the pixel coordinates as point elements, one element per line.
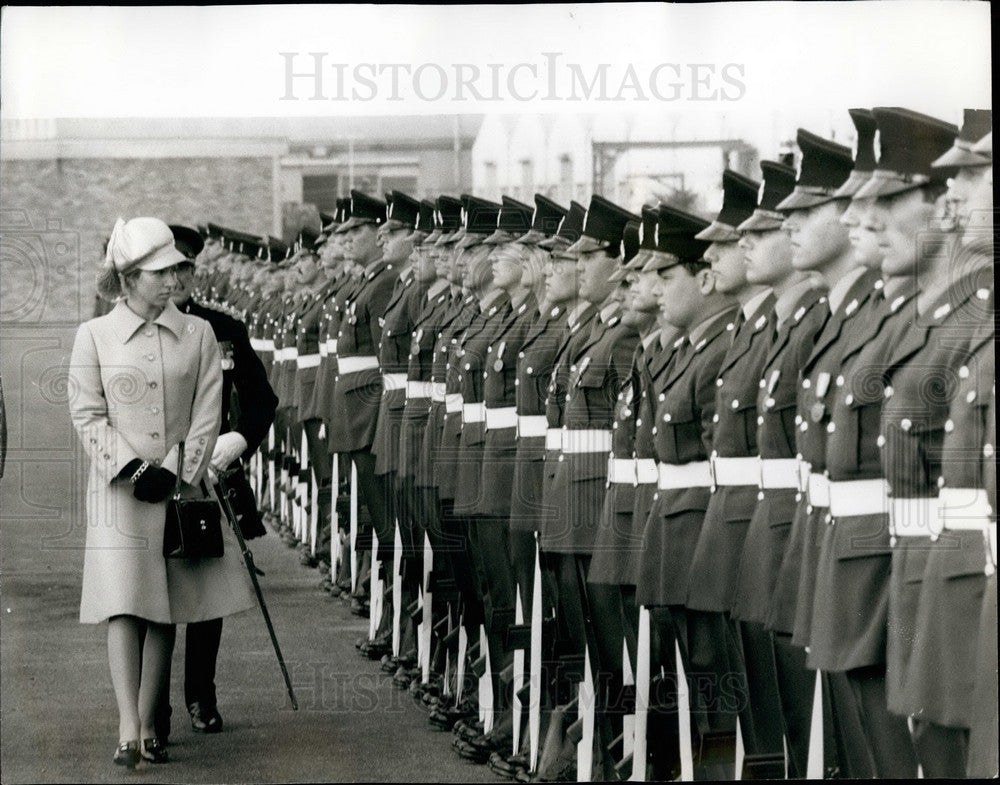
<point>735,404</point>
<point>849,399</point>
<point>154,409</point>
<point>155,435</point>
<point>889,391</point>
<point>880,441</point>
<point>760,420</point>
<point>840,381</point>
<point>949,426</point>
<point>148,333</point>
<point>667,417</point>
<point>718,382</point>
<point>715,418</point>
<point>150,356</point>
<point>152,385</point>
<point>963,372</point>
<point>906,423</point>
<point>971,396</point>
<point>806,384</point>
<point>831,427</point>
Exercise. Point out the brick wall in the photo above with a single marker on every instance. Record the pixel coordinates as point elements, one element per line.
<point>56,214</point>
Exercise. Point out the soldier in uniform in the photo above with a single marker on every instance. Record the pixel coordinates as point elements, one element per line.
<point>734,449</point>
<point>827,250</point>
<point>358,386</point>
<point>923,370</point>
<point>682,435</point>
<point>597,366</point>
<point>244,426</point>
<point>983,712</point>
<point>402,309</point>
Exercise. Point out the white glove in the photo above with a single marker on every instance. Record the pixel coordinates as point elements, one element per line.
<point>228,447</point>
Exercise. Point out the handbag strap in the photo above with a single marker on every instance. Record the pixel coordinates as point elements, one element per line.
<point>180,468</point>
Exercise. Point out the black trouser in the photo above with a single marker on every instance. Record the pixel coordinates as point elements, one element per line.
<point>884,734</point>
<point>797,690</point>
<point>201,651</point>
<point>714,702</point>
<point>375,494</point>
<point>663,751</point>
<point>761,720</point>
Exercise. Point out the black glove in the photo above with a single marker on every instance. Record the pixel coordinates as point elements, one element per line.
<point>154,485</point>
<point>130,469</point>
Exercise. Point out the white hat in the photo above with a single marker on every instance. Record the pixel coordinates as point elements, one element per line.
<point>143,244</point>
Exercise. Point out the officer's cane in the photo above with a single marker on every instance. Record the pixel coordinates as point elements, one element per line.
<point>535,664</point>
<point>225,498</point>
<point>336,552</point>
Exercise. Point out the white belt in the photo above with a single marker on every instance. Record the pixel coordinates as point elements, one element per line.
<point>621,471</point>
<point>347,365</point>
<point>393,381</point>
<point>646,471</point>
<point>257,344</point>
<point>437,391</point>
<point>779,473</point>
<point>307,361</point>
<point>736,471</point>
<point>331,345</point>
<point>697,474</point>
<point>473,412</point>
<point>554,438</point>
<point>266,345</point>
<point>818,490</point>
<point>991,550</point>
<point>858,497</point>
<point>453,403</point>
<point>288,353</point>
<point>323,350</point>
<point>532,425</point>
<point>964,509</point>
<point>586,441</point>
<point>418,389</point>
<point>505,417</point>
<point>914,517</point>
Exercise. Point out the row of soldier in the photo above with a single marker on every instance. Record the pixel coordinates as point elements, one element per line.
<point>652,497</point>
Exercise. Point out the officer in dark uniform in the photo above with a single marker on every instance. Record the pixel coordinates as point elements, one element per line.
<point>922,372</point>
<point>244,381</point>
<point>682,435</point>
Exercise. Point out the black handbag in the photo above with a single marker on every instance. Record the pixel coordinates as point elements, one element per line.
<point>193,528</point>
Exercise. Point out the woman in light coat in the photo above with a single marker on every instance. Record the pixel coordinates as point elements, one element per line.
<point>143,378</point>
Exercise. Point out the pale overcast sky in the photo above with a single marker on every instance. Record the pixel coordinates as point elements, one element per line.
<point>762,67</point>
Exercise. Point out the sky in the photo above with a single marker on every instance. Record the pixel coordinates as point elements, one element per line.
<point>763,67</point>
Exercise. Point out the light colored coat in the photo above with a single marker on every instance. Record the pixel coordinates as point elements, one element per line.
<point>136,390</point>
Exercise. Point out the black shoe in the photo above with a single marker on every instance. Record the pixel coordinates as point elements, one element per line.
<point>153,751</point>
<point>204,719</point>
<point>127,754</point>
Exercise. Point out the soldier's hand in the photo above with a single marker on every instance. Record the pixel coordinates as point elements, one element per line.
<point>228,448</point>
<point>154,485</point>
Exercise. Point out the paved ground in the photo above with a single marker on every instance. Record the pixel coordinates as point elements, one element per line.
<point>57,709</point>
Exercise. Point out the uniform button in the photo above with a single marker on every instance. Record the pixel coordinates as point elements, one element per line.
<point>667,417</point>
<point>517,382</point>
<point>468,366</point>
<point>152,385</point>
<point>663,396</point>
<point>614,425</point>
<point>798,419</point>
<point>963,372</point>
<point>520,355</point>
<point>760,420</point>
<point>830,428</point>
<point>906,423</point>
<point>715,418</point>
<point>949,426</point>
<point>880,441</point>
<point>889,391</point>
<point>971,396</point>
<point>769,403</point>
<point>804,427</point>
<point>988,450</point>
<point>761,384</point>
<point>529,370</point>
<point>735,404</point>
<point>940,482</point>
<point>638,422</point>
<point>840,381</point>
<point>849,399</point>
<point>806,384</point>
<point>654,430</point>
<point>718,382</point>
<point>561,457</point>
